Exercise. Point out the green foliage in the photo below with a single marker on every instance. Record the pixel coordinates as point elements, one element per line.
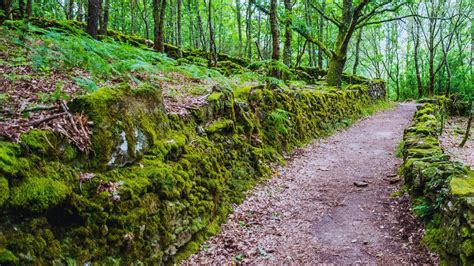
<point>279,117</point>
<point>86,83</point>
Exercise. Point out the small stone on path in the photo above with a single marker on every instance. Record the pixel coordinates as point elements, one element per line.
<point>361,183</point>
<point>394,180</point>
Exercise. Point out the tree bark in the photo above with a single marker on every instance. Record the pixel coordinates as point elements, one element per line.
<point>70,11</point>
<point>200,28</point>
<point>288,33</point>
<point>29,7</point>
<point>248,30</point>
<point>159,7</point>
<point>419,85</point>
<point>350,15</point>
<point>179,36</point>
<point>321,33</point>
<point>239,24</point>
<point>357,49</point>
<point>212,44</point>
<point>275,35</point>
<point>21,8</point>
<point>93,17</point>
<point>105,17</point>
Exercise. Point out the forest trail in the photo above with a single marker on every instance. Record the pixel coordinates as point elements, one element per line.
<point>311,211</point>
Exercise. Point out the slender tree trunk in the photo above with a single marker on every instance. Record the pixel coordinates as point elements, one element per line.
<point>105,17</point>
<point>178,28</point>
<point>419,85</point>
<point>191,24</point>
<point>274,30</point>
<point>159,7</point>
<point>29,7</point>
<point>300,54</point>
<point>93,17</point>
<point>21,8</point>
<point>145,19</point>
<point>321,33</point>
<point>80,12</point>
<point>239,24</point>
<point>431,73</point>
<point>70,11</point>
<point>200,28</point>
<point>212,43</point>
<point>249,30</point>
<point>288,33</point>
<point>357,50</point>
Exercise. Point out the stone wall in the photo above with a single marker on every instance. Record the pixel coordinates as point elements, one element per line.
<point>442,190</point>
<point>154,185</point>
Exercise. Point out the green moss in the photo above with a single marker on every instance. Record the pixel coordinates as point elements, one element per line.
<point>221,125</point>
<point>462,185</point>
<point>38,194</point>
<point>468,247</point>
<point>4,190</point>
<point>10,163</point>
<point>215,96</point>
<point>7,257</point>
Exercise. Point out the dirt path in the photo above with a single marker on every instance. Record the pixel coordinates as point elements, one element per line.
<point>311,211</point>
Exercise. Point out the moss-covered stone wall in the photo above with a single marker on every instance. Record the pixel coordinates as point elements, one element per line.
<point>154,185</point>
<point>443,190</point>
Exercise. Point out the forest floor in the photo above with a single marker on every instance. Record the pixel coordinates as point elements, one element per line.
<point>312,211</point>
<point>454,130</point>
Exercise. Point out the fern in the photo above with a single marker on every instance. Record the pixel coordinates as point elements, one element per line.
<point>279,117</point>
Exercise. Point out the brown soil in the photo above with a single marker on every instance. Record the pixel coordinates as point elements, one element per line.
<point>311,211</point>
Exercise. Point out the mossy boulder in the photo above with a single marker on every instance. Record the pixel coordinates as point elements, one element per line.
<point>127,122</point>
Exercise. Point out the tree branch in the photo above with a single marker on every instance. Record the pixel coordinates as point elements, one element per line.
<point>310,39</point>
<point>333,20</point>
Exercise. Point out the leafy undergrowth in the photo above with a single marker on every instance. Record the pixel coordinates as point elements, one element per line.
<point>42,67</point>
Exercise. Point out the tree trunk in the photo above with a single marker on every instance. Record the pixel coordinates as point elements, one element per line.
<point>200,28</point>
<point>179,37</point>
<point>419,85</point>
<point>275,35</point>
<point>248,30</point>
<point>239,24</point>
<point>335,69</point>
<point>288,33</point>
<point>80,12</point>
<point>346,29</point>
<point>21,8</point>
<point>70,10</point>
<point>29,7</point>
<point>321,32</point>
<point>105,17</point>
<point>212,44</point>
<point>357,49</point>
<point>159,7</point>
<point>191,24</point>
<point>93,17</point>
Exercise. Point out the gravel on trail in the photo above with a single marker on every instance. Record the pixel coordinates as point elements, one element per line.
<point>331,203</point>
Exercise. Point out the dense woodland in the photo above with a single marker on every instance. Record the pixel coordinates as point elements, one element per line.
<point>420,48</point>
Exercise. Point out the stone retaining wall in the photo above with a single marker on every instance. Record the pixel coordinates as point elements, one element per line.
<point>442,190</point>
